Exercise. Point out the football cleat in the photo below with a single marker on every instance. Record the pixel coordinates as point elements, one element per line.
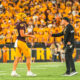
<point>31,74</point>
<point>73,73</point>
<point>66,74</point>
<point>14,74</point>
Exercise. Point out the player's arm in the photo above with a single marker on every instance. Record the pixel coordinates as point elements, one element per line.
<point>22,33</point>
<point>58,34</point>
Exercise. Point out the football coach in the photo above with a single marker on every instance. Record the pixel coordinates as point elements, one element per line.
<point>68,33</point>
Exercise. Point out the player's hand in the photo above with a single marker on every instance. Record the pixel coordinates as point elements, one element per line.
<point>68,43</point>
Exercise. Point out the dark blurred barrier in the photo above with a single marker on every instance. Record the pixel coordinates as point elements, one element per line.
<point>40,52</point>
<point>39,45</point>
<point>77,44</point>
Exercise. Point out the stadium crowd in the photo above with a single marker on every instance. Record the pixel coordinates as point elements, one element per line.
<point>43,18</point>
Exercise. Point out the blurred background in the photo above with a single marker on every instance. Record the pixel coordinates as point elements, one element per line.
<point>43,18</point>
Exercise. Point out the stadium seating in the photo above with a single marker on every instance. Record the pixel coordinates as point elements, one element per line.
<point>44,16</point>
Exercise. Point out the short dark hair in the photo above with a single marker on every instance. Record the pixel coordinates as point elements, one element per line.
<point>67,19</point>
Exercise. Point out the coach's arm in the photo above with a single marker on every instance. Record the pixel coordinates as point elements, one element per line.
<point>58,34</point>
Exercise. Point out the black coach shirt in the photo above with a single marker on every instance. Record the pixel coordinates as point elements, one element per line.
<point>68,33</point>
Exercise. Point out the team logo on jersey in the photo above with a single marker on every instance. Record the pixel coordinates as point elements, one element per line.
<point>72,31</point>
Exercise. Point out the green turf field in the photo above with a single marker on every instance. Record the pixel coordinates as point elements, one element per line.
<point>44,71</point>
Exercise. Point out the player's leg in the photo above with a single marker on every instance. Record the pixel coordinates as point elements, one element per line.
<point>21,59</point>
<point>28,63</point>
<point>18,55</point>
<point>24,48</point>
<point>15,63</point>
<point>27,53</point>
<point>14,67</point>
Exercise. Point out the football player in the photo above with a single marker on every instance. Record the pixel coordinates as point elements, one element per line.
<point>21,46</point>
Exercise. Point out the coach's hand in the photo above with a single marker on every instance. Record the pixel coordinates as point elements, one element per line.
<point>68,43</point>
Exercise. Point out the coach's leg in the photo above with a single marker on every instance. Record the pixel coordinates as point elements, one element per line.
<point>67,62</point>
<point>72,61</point>
<point>72,64</point>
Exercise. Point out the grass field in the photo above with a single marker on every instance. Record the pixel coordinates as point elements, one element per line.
<point>44,71</point>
